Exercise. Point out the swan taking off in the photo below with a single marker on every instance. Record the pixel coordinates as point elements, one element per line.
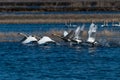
<point>72,36</point>
<point>69,36</point>
<point>76,37</point>
<point>45,39</point>
<point>77,34</point>
<point>92,33</point>
<point>66,36</point>
<point>28,39</point>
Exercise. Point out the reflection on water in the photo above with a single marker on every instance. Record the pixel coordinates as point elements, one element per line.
<point>91,50</point>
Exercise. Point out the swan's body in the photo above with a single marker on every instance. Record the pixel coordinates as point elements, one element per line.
<point>91,40</point>
<point>28,39</point>
<point>45,39</point>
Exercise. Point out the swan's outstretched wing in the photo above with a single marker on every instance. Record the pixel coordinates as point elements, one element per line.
<point>81,30</point>
<point>91,28</point>
<point>29,39</point>
<point>70,35</point>
<point>77,32</point>
<point>45,39</point>
<point>92,32</point>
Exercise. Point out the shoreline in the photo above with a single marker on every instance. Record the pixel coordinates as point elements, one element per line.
<point>58,18</point>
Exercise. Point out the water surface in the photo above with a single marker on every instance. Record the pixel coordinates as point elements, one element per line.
<point>55,62</point>
<point>22,62</point>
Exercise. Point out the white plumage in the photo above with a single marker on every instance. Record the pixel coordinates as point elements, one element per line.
<point>91,33</point>
<point>45,39</point>
<point>29,39</point>
<point>91,40</point>
<point>78,33</point>
<point>65,33</point>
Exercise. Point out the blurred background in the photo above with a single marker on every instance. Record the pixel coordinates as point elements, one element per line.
<point>59,5</point>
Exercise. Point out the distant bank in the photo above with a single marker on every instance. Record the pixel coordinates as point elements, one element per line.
<point>57,18</point>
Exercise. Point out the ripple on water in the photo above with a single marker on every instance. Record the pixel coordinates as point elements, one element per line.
<point>58,62</point>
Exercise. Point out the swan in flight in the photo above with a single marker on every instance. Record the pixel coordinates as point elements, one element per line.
<point>31,39</point>
<point>69,36</point>
<point>92,34</point>
<point>72,36</point>
<point>28,39</point>
<point>45,39</point>
<point>77,34</point>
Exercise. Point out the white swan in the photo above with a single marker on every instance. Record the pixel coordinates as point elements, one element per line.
<point>72,36</point>
<point>66,36</point>
<point>78,33</point>
<point>92,33</point>
<point>45,39</point>
<point>76,37</point>
<point>28,39</point>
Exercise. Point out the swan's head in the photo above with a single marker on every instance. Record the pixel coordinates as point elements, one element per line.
<point>22,34</point>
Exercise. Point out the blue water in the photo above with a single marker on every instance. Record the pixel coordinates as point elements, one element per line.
<point>20,62</point>
<point>55,62</point>
<point>28,28</point>
<point>67,12</point>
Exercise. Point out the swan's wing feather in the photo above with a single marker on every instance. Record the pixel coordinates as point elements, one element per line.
<point>70,35</point>
<point>77,32</point>
<point>45,39</point>
<point>91,33</point>
<point>29,39</point>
